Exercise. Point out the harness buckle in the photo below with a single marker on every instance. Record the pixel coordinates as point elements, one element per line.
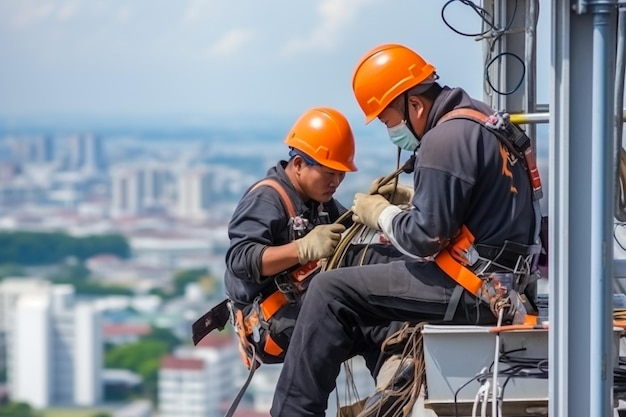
<point>285,285</point>
<point>499,120</point>
<point>256,325</point>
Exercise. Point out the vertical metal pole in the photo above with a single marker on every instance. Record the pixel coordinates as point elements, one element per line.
<point>557,211</point>
<point>581,144</point>
<point>530,58</point>
<point>603,88</point>
<point>618,104</point>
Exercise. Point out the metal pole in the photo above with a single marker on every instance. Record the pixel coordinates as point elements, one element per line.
<point>530,60</point>
<point>544,117</point>
<point>620,71</point>
<point>581,186</point>
<point>558,387</point>
<point>602,134</point>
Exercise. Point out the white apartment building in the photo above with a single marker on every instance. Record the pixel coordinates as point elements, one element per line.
<point>194,194</point>
<point>86,154</point>
<point>197,382</point>
<point>54,348</point>
<point>135,189</point>
<point>10,290</point>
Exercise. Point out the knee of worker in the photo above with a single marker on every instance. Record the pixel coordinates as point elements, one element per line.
<point>326,285</point>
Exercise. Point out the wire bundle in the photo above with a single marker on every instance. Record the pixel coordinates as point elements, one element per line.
<point>493,34</point>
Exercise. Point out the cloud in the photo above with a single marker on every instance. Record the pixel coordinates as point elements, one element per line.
<point>336,15</point>
<point>32,13</point>
<point>230,43</point>
<point>198,10</point>
<point>123,14</point>
<point>68,10</point>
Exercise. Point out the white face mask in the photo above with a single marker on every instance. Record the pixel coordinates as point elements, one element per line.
<point>401,136</point>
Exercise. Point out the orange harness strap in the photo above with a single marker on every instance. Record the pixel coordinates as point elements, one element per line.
<point>305,270</point>
<point>454,260</point>
<point>462,275</point>
<point>291,211</point>
<point>275,301</point>
<point>491,122</point>
<point>464,113</point>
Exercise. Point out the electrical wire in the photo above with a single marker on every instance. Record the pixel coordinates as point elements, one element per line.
<point>496,360</point>
<point>482,13</point>
<point>619,243</point>
<point>518,367</point>
<point>521,78</point>
<point>493,34</point>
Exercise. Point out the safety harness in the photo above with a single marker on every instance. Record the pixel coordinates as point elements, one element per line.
<point>248,321</point>
<point>472,266</point>
<point>290,285</point>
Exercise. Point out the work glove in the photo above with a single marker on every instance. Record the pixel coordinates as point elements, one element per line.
<point>367,208</point>
<point>402,194</point>
<point>319,243</point>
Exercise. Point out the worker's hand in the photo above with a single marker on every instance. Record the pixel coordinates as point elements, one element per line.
<point>401,194</point>
<point>319,243</point>
<point>367,208</point>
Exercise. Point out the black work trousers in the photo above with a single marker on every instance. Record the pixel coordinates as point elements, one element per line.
<point>341,302</point>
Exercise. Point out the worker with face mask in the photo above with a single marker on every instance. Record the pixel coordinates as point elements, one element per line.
<point>472,198</point>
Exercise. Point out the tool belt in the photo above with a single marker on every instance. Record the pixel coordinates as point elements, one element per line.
<point>265,326</point>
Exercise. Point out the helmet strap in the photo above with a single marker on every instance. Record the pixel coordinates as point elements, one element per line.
<point>407,119</point>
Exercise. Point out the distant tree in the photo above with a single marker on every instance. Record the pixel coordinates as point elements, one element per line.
<point>70,273</point>
<point>11,270</point>
<point>187,276</point>
<point>18,409</point>
<point>91,288</point>
<point>143,357</point>
<point>102,414</point>
<point>162,335</point>
<point>161,293</point>
<point>44,248</point>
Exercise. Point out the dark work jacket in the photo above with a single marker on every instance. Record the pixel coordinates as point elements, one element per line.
<point>259,221</point>
<point>463,175</point>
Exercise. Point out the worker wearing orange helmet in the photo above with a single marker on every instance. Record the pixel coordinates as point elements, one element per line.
<point>464,179</point>
<point>279,230</point>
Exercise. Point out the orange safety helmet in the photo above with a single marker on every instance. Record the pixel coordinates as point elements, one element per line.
<point>325,135</point>
<point>385,72</point>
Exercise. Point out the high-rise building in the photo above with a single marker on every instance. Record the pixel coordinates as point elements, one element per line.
<point>127,191</point>
<point>42,149</point>
<point>136,189</point>
<point>194,194</point>
<point>86,154</point>
<point>196,382</point>
<point>10,291</point>
<point>54,349</point>
<point>31,149</point>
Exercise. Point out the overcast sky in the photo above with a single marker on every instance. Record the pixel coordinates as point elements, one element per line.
<point>208,58</point>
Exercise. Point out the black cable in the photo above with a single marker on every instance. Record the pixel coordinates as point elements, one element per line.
<point>482,13</point>
<point>615,236</point>
<point>521,79</point>
<point>496,35</point>
<point>484,375</point>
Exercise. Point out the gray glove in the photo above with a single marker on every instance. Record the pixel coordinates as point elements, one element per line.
<point>319,243</point>
<point>401,194</point>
